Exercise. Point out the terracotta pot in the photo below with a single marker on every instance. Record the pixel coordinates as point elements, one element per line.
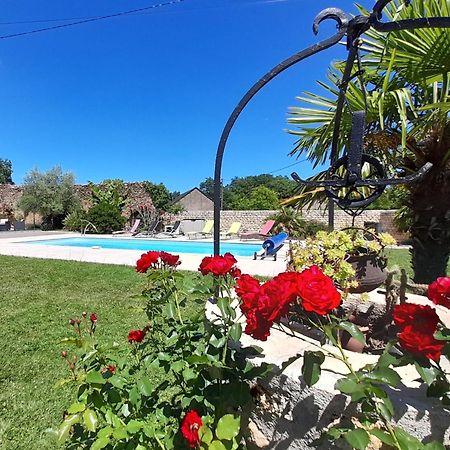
<point>369,272</point>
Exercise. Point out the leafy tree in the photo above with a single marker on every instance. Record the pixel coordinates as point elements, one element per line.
<point>260,198</point>
<point>161,197</point>
<point>207,187</point>
<point>237,192</point>
<point>5,171</point>
<point>407,124</point>
<point>50,194</point>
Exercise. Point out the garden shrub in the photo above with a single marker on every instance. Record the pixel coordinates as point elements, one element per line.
<point>106,217</point>
<point>75,220</point>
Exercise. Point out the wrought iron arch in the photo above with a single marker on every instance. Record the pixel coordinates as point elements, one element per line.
<point>351,28</point>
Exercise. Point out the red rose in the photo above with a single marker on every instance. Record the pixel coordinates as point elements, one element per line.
<point>189,428</point>
<point>93,317</point>
<point>417,341</point>
<point>235,272</point>
<point>439,291</point>
<point>146,261</point>
<point>317,291</point>
<point>422,317</point>
<point>217,265</point>
<point>169,259</point>
<point>136,336</point>
<point>257,326</point>
<point>247,288</point>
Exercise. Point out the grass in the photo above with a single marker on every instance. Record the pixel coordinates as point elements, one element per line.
<point>402,258</point>
<point>37,298</point>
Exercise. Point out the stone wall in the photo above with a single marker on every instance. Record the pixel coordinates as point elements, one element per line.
<point>253,220</point>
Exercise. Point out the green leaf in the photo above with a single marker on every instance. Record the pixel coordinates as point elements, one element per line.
<point>438,388</point>
<point>120,433</point>
<point>134,396</point>
<point>105,432</point>
<point>311,366</point>
<point>434,446</point>
<point>358,438</point>
<point>217,342</point>
<point>95,377</point>
<point>442,335</point>
<point>216,445</point>
<point>65,427</point>
<point>100,443</point>
<point>76,408</point>
<point>228,426</point>
<point>189,374</point>
<point>350,387</point>
<point>223,305</point>
<point>90,420</point>
<point>406,441</point>
<point>384,375</point>
<point>145,387</point>
<point>205,434</point>
<point>428,374</point>
<point>384,437</point>
<point>133,426</point>
<point>236,332</point>
<point>354,331</point>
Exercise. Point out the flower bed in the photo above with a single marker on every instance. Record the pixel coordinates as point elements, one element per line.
<point>210,384</point>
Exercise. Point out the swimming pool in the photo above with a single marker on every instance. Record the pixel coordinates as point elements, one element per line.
<point>203,248</point>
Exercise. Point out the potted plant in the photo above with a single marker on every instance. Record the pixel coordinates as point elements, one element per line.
<point>352,257</point>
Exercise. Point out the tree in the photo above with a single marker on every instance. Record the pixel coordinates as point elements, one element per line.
<point>50,194</point>
<point>237,192</point>
<point>5,171</point>
<point>161,197</point>
<point>259,198</point>
<point>407,124</point>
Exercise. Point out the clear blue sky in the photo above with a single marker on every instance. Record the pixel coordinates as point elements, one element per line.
<point>145,97</point>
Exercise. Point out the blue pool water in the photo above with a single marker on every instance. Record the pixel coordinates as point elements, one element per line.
<point>203,248</point>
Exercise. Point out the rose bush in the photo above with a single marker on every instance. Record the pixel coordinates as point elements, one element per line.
<point>204,394</point>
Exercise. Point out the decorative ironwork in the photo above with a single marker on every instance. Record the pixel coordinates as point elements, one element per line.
<point>344,181</point>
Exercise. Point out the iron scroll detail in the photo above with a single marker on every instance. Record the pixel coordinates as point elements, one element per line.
<point>345,172</point>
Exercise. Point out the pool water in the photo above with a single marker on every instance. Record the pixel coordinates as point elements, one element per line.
<point>203,248</point>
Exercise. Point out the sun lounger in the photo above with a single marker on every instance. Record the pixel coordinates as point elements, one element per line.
<point>129,230</point>
<point>171,234</point>
<point>263,233</point>
<point>232,231</point>
<point>151,230</point>
<point>271,246</point>
<point>206,232</point>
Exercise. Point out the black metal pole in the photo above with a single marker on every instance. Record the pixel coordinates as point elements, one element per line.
<point>342,20</point>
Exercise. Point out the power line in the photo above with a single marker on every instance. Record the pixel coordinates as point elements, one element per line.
<point>287,167</point>
<point>92,19</point>
<point>139,12</point>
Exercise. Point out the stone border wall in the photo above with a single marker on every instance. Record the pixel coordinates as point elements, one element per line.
<point>253,220</point>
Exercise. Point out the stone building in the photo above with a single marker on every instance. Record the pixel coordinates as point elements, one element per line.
<point>194,200</point>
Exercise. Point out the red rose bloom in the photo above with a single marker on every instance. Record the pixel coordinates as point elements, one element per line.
<point>317,291</point>
<point>217,265</point>
<point>416,341</point>
<point>417,325</point>
<point>421,317</point>
<point>169,259</point>
<point>146,261</point>
<point>136,336</point>
<point>439,291</point>
<point>93,318</point>
<point>235,272</point>
<point>111,368</point>
<point>190,425</point>
<point>264,304</point>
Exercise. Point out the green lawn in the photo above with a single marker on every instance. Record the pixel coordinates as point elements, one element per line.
<point>37,298</point>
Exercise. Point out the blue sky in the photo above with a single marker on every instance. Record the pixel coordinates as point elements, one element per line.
<point>145,97</point>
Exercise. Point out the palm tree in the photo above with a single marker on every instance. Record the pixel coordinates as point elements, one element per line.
<point>406,76</point>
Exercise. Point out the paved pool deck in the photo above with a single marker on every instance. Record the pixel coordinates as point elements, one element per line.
<point>12,244</point>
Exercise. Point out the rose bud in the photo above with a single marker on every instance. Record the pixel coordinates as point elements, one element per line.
<point>84,314</point>
<point>72,322</point>
<point>78,321</point>
<point>64,354</point>
<point>93,317</point>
